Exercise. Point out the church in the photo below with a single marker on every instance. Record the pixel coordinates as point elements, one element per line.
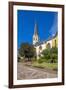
<point>40,46</point>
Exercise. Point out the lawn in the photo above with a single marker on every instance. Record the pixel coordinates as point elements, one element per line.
<point>52,66</point>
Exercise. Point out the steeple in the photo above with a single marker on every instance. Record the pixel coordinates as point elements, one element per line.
<point>35,36</point>
<point>36,29</point>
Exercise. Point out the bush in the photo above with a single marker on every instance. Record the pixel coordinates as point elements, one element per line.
<point>40,60</point>
<point>54,50</point>
<point>54,58</point>
<point>50,55</point>
<point>46,54</point>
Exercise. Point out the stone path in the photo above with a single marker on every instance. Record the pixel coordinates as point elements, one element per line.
<point>27,72</point>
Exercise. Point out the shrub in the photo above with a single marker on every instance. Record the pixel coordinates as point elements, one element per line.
<point>54,58</point>
<point>50,55</point>
<point>54,50</point>
<point>40,60</point>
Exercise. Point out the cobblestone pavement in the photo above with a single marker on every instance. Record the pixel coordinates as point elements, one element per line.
<point>27,72</point>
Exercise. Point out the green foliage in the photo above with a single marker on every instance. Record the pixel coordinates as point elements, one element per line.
<point>40,60</point>
<point>27,50</point>
<point>54,58</point>
<point>53,66</point>
<point>49,55</point>
<point>54,50</point>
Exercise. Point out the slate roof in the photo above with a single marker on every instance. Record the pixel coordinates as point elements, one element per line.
<point>49,38</point>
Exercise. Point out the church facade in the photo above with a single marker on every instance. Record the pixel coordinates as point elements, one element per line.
<point>40,46</point>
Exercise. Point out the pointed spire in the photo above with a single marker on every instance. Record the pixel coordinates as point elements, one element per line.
<point>36,29</point>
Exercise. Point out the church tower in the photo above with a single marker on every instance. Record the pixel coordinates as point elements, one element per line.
<point>35,36</point>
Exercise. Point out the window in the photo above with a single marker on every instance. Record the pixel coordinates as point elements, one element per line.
<point>48,45</point>
<point>40,47</point>
<point>55,43</point>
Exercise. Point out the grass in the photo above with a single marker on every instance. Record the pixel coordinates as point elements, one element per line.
<point>52,66</point>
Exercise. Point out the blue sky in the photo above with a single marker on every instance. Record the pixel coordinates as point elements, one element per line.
<point>46,22</point>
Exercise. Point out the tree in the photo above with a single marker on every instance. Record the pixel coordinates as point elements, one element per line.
<point>27,50</point>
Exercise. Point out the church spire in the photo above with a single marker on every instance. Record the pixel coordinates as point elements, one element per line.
<point>36,29</point>
<point>35,35</point>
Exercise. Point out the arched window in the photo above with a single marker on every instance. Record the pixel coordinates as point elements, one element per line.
<point>48,45</point>
<point>40,47</point>
<point>55,43</point>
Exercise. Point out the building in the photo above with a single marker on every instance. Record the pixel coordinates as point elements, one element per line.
<point>40,46</point>
<point>35,36</point>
